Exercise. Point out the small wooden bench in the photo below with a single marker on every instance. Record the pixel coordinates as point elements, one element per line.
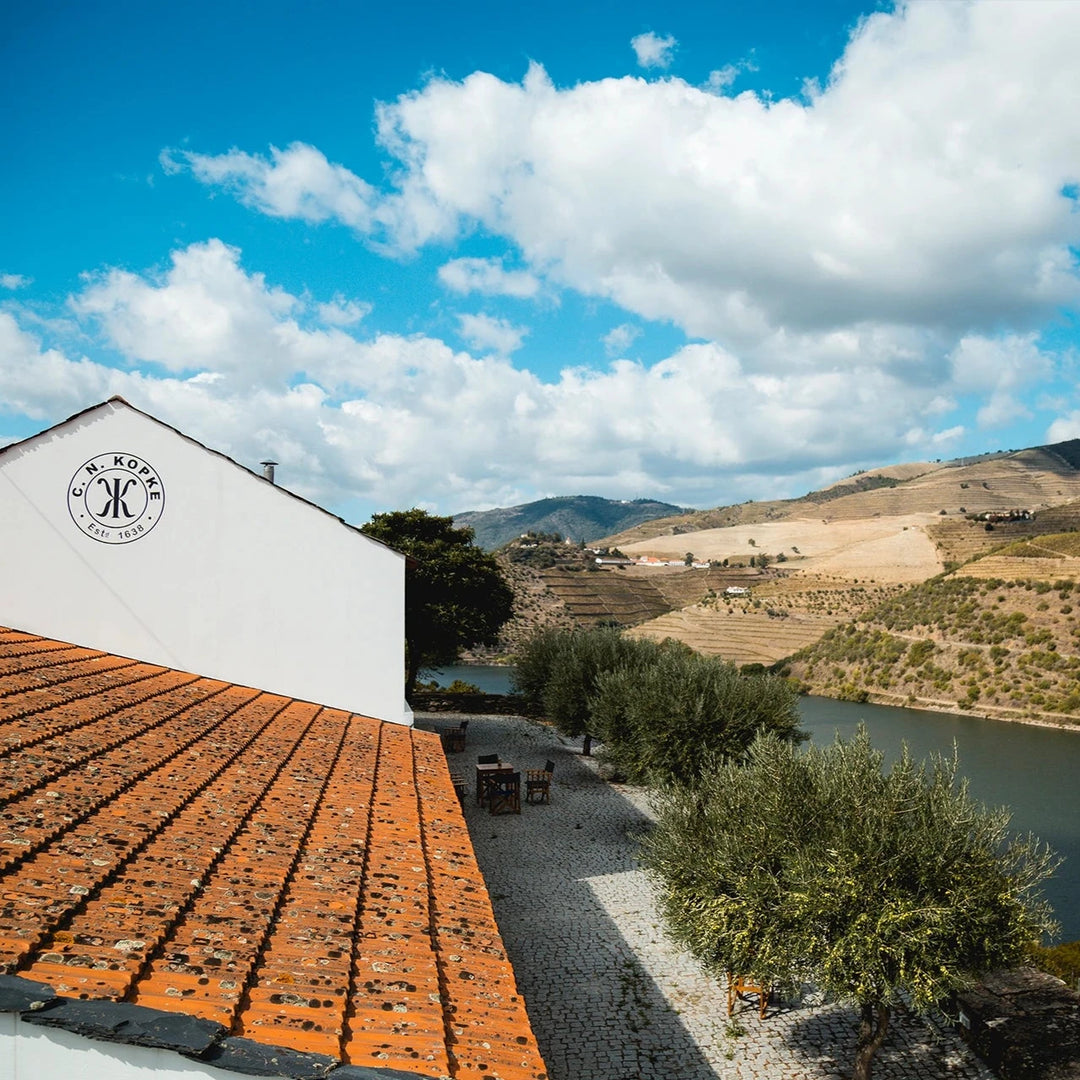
<point>739,986</point>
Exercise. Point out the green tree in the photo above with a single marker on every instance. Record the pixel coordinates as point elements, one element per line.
<point>455,594</point>
<point>558,670</point>
<point>819,866</point>
<point>674,713</point>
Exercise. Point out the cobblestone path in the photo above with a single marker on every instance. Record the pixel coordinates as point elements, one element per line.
<point>609,996</point>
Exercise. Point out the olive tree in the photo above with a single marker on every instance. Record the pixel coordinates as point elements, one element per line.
<point>558,670</point>
<point>820,866</point>
<point>679,713</point>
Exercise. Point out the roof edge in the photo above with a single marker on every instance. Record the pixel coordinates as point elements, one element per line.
<point>204,1041</point>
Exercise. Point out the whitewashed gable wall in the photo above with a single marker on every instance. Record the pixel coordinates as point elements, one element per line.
<point>183,558</point>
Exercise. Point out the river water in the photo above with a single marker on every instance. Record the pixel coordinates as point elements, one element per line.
<point>1034,771</point>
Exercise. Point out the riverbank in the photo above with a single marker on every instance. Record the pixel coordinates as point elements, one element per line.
<point>899,701</point>
<point>1029,767</point>
<point>496,679</point>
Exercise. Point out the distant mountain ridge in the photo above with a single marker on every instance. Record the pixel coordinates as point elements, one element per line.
<point>1036,478</point>
<point>579,517</point>
<point>885,490</point>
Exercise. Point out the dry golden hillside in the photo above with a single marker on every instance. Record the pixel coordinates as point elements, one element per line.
<point>1031,479</point>
<point>1038,479</point>
<point>891,549</point>
<point>779,615</point>
<point>743,635</point>
<point>855,585</point>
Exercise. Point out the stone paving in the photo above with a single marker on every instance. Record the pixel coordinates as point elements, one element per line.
<point>608,995</point>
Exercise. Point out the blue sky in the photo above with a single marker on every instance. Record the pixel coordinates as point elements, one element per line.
<point>466,256</point>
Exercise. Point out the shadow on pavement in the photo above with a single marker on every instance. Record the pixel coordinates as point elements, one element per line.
<point>555,875</point>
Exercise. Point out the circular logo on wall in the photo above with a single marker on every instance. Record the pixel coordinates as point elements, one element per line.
<point>116,498</point>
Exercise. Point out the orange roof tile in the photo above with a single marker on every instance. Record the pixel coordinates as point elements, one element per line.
<point>298,875</point>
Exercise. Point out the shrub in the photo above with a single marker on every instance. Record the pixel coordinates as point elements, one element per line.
<point>680,713</point>
<point>919,652</point>
<point>557,671</point>
<point>1061,960</point>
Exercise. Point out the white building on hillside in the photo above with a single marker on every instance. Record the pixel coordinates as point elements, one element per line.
<point>120,533</point>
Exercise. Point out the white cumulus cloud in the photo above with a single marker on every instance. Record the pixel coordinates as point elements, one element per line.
<point>367,418</point>
<point>489,277</point>
<point>618,339</point>
<point>1064,427</point>
<point>922,185</point>
<point>652,50</point>
<point>342,312</point>
<point>297,182</point>
<point>487,334</point>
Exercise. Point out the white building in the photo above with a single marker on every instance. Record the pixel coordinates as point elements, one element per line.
<point>120,533</point>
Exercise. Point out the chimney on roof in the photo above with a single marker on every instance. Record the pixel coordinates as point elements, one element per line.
<point>268,469</point>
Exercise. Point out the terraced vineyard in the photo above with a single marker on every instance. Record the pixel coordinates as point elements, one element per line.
<point>1044,558</point>
<point>681,588</point>
<point>1039,479</point>
<point>1012,568</point>
<point>959,540</point>
<point>744,636</point>
<point>855,585</point>
<point>1030,479</point>
<point>1001,646</point>
<point>1060,519</point>
<point>601,595</point>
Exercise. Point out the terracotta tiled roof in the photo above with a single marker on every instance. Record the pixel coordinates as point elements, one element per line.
<point>299,875</point>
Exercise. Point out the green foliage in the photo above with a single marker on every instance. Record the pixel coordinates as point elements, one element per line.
<point>675,713</point>
<point>458,686</point>
<point>1061,960</point>
<point>661,710</point>
<point>949,605</point>
<point>455,594</point>
<point>819,866</point>
<point>919,652</point>
<point>538,556</point>
<point>1051,546</point>
<point>557,671</point>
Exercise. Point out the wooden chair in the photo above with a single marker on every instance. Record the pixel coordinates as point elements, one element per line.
<point>538,783</point>
<point>461,788</point>
<point>738,986</point>
<point>504,793</point>
<point>454,740</point>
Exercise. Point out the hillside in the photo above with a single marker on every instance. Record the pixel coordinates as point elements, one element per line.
<point>884,586</point>
<point>1001,647</point>
<point>579,517</point>
<point>1038,479</point>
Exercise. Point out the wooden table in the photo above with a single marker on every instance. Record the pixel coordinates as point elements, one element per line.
<point>483,772</point>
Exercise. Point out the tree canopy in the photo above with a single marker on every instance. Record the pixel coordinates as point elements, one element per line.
<point>820,866</point>
<point>661,710</point>
<point>674,713</point>
<point>455,594</point>
<point>557,670</point>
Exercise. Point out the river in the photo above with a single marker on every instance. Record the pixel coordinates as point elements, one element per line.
<point>1033,770</point>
